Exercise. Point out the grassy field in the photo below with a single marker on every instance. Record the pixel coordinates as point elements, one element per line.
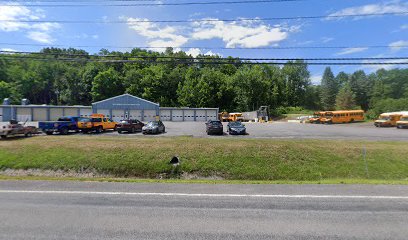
<point>230,159</point>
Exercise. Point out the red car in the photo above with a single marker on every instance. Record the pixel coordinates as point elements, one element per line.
<point>130,125</point>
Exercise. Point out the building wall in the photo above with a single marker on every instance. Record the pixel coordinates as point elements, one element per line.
<point>39,112</point>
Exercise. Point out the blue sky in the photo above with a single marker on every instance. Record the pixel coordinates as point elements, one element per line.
<point>390,31</point>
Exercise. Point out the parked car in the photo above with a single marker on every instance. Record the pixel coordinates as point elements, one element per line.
<point>97,123</point>
<point>129,125</point>
<point>14,129</point>
<point>154,127</point>
<point>214,127</point>
<point>62,126</point>
<point>236,128</point>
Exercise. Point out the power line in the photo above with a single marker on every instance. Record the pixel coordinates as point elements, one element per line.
<point>126,58</point>
<point>210,62</point>
<point>201,20</point>
<point>206,47</point>
<point>155,4</point>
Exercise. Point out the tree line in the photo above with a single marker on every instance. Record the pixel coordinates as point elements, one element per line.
<point>194,82</point>
<point>382,91</point>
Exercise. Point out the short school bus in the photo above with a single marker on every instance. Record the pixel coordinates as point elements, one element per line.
<point>389,119</point>
<point>317,117</point>
<point>346,116</point>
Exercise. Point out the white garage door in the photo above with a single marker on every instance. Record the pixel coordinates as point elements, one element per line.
<point>165,115</point>
<point>149,115</point>
<point>40,114</point>
<point>72,112</point>
<point>24,114</point>
<point>212,114</point>
<point>200,116</point>
<point>85,112</point>
<point>177,115</point>
<point>135,114</point>
<point>189,115</point>
<point>55,113</point>
<point>118,115</point>
<point>104,112</point>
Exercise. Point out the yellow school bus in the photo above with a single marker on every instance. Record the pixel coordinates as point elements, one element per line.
<point>389,119</point>
<point>317,117</point>
<point>343,116</point>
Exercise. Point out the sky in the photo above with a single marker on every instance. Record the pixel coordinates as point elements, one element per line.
<point>356,34</point>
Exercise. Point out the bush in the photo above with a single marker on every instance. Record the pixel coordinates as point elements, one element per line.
<point>387,105</point>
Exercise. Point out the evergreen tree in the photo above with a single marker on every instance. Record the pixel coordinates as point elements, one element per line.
<point>329,89</point>
<point>345,98</point>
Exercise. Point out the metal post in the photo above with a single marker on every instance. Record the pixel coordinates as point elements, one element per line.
<point>365,160</point>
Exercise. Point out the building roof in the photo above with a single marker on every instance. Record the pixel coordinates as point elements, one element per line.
<point>125,95</point>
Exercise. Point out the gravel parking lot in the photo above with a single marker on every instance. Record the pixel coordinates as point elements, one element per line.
<point>284,130</point>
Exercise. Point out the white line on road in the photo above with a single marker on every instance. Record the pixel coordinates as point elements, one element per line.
<point>207,195</point>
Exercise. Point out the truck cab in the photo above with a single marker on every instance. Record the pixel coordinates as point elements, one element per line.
<point>403,122</point>
<point>388,120</point>
<point>97,123</point>
<point>317,117</point>
<point>62,126</point>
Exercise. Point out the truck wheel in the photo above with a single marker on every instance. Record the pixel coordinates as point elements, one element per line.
<point>49,133</point>
<point>29,134</point>
<point>84,131</point>
<point>3,136</point>
<point>99,130</point>
<point>119,131</point>
<point>64,131</point>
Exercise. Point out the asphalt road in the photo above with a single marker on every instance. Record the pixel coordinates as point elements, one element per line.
<point>78,210</point>
<point>278,130</point>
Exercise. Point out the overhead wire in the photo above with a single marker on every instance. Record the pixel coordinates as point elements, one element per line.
<point>154,4</point>
<point>204,47</point>
<point>201,20</point>
<point>218,61</point>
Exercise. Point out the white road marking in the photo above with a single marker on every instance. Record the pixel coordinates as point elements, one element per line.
<point>208,195</point>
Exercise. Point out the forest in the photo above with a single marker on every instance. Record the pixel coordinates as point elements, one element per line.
<point>205,81</point>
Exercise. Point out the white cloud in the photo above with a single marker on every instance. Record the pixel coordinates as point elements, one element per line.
<point>327,39</point>
<point>8,50</point>
<point>404,27</point>
<point>398,45</point>
<point>249,33</point>
<point>379,8</point>
<point>390,64</point>
<point>17,13</point>
<point>316,79</point>
<point>41,37</point>
<point>350,51</point>
<point>194,52</point>
<point>243,34</point>
<point>158,36</point>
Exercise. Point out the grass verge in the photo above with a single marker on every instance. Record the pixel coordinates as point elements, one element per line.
<point>241,160</point>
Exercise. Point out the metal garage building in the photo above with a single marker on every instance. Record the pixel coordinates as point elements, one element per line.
<point>127,106</point>
<point>117,108</point>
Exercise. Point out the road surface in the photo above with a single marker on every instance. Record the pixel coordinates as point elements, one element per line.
<point>79,210</point>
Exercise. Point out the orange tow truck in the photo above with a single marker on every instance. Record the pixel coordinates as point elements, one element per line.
<point>97,123</point>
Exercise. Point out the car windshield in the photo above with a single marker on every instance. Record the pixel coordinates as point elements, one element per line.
<point>385,117</point>
<point>84,120</point>
<point>216,122</point>
<point>152,124</point>
<point>96,119</point>
<point>64,119</point>
<point>236,124</point>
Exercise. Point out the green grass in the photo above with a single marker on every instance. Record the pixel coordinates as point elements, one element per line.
<point>253,160</point>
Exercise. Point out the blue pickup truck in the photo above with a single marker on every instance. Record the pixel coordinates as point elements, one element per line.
<point>62,126</point>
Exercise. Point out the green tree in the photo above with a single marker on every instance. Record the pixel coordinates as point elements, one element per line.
<point>345,98</point>
<point>329,89</point>
<point>342,78</point>
<point>360,86</point>
<point>106,84</point>
<point>5,90</point>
